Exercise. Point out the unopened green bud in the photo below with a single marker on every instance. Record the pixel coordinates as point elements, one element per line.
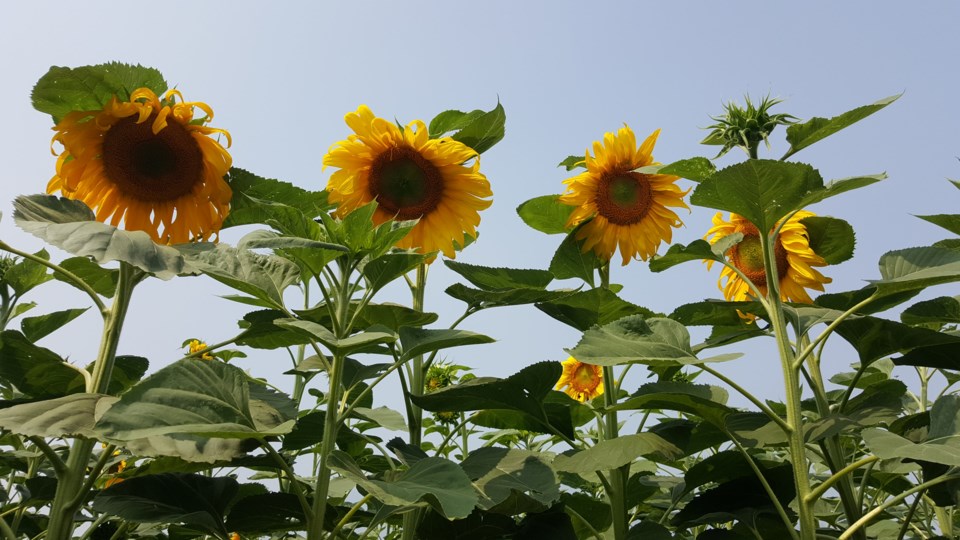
<point>746,126</point>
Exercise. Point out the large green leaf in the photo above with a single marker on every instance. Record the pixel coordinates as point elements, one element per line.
<point>489,278</point>
<point>616,452</point>
<point>943,356</point>
<point>390,266</point>
<point>917,268</point>
<point>452,120</point>
<point>192,499</point>
<point>262,200</point>
<point>875,338</point>
<point>585,309</point>
<point>392,316</point>
<point>950,222</point>
<point>259,331</point>
<point>263,277</point>
<point>62,90</point>
<point>831,238</point>
<point>35,371</point>
<point>886,445</point>
<point>698,250</point>
<point>68,416</point>
<point>942,310</point>
<point>546,214</point>
<point>633,339</point>
<point>265,513</point>
<point>419,341</point>
<point>697,169</point>
<point>707,402</point>
<point>500,472</point>
<point>816,129</point>
<point>714,313</point>
<point>100,279</point>
<point>717,468</point>
<point>841,185</point>
<point>71,226</point>
<point>480,299</point>
<point>336,345</point>
<point>483,131</point>
<point>763,191</point>
<point>730,499</point>
<point>434,480</point>
<point>194,397</point>
<point>35,328</point>
<point>570,261</point>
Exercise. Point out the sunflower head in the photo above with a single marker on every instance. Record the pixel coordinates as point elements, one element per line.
<point>148,163</point>
<point>412,177</point>
<point>580,381</point>
<point>618,206</point>
<point>794,258</point>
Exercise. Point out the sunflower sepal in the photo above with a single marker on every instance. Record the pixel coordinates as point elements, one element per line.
<point>63,90</point>
<point>695,251</point>
<point>71,226</point>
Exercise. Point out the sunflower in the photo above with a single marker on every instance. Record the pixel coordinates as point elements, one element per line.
<point>795,259</point>
<point>196,346</point>
<point>630,210</point>
<point>412,177</point>
<point>582,381</point>
<point>148,163</point>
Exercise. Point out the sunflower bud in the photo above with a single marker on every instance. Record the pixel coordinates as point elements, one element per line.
<point>5,264</point>
<point>439,376</point>
<point>746,126</point>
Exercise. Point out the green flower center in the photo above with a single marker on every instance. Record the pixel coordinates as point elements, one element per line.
<point>747,256</point>
<point>405,184</point>
<point>152,167</point>
<point>624,198</point>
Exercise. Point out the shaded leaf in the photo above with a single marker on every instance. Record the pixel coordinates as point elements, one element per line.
<point>613,453</point>
<point>35,371</point>
<point>830,238</point>
<point>479,299</point>
<point>100,279</point>
<point>875,338</point>
<point>698,250</point>
<point>68,416</point>
<point>585,309</point>
<point>25,274</point>
<point>420,341</point>
<point>35,328</point>
<point>942,310</point>
<point>489,278</point>
<point>633,339</point>
<point>950,222</point>
<point>499,472</point>
<point>62,90</point>
<point>570,261</point>
<point>263,277</point>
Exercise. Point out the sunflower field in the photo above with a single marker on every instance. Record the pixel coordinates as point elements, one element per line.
<point>374,432</point>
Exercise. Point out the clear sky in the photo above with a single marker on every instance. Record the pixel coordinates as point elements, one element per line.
<point>281,75</point>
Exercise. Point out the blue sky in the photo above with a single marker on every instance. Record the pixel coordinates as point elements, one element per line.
<point>280,77</point>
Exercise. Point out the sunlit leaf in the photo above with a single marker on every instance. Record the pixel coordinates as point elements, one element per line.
<point>816,129</point>
<point>483,131</point>
<point>419,341</point>
<point>263,277</point>
<point>499,472</point>
<point>262,200</point>
<point>613,453</point>
<point>697,169</point>
<point>480,299</point>
<point>336,345</point>
<point>62,90</point>
<point>452,120</point>
<point>634,339</point>
<point>489,278</point>
<point>585,309</point>
<point>25,274</point>
<point>546,213</point>
<point>68,416</point>
<point>697,250</point>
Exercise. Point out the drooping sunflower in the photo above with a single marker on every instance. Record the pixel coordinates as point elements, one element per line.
<point>412,177</point>
<point>582,381</point>
<point>795,259</point>
<point>148,163</point>
<point>630,210</point>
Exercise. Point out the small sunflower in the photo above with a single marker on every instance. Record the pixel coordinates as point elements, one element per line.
<point>630,210</point>
<point>196,346</point>
<point>583,382</point>
<point>148,163</point>
<point>795,259</point>
<point>412,177</point>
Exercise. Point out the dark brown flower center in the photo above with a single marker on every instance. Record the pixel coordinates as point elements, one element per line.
<point>405,184</point>
<point>148,166</point>
<point>747,256</point>
<point>624,198</point>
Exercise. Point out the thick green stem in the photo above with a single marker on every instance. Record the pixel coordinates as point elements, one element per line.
<point>791,379</point>
<point>68,497</point>
<point>411,519</point>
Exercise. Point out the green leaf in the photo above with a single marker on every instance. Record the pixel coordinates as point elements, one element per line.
<point>192,499</point>
<point>484,131</point>
<point>384,417</point>
<point>420,341</point>
<point>26,274</point>
<point>434,480</point>
<point>35,328</point>
<point>943,356</point>
<point>570,261</point>
<point>100,279</point>
<point>715,313</point>
<point>262,239</point>
<point>71,226</point>
<point>697,169</point>
<point>546,213</point>
<point>523,391</point>
<point>386,268</point>
<point>585,309</point>
<point>830,238</point>
<point>763,191</point>
<point>729,499</point>
<point>613,453</point>
<point>561,413</point>
<point>573,162</point>
<point>816,129</point>
<point>942,310</point>
<point>478,299</point>
<point>263,277</point>
<point>875,338</point>
<point>267,201</point>
<point>490,279</point>
<point>127,371</point>
<point>707,402</point>
<point>950,222</point>
<point>68,416</point>
<point>886,445</point>
<point>917,268</point>
<point>842,185</point>
<point>260,332</point>
<point>344,346</point>
<point>265,513</point>
<point>720,467</point>
<point>500,472</point>
<point>844,301</point>
<point>635,340</point>
<point>63,90</point>
<point>392,316</point>
<point>698,250</point>
<point>35,371</point>
<point>452,120</point>
<point>199,397</point>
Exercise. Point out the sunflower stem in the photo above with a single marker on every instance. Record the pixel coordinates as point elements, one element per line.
<point>791,377</point>
<point>411,519</point>
<point>69,495</point>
